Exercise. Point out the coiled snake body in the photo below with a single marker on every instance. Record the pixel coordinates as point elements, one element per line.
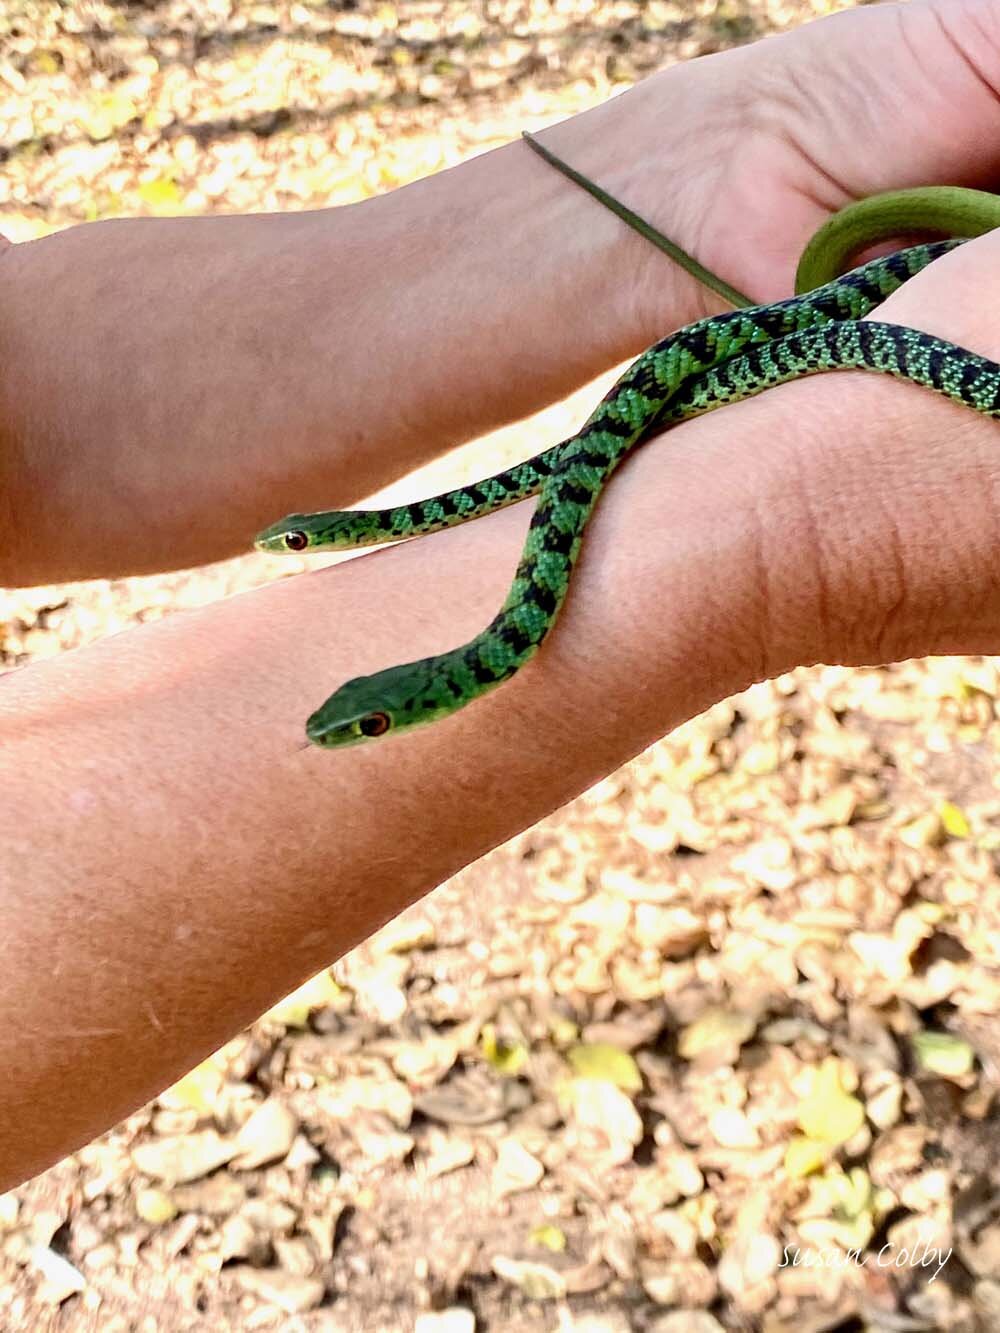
<point>718,360</point>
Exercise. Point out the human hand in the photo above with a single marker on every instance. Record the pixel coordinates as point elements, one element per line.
<point>741,156</point>
<point>845,518</point>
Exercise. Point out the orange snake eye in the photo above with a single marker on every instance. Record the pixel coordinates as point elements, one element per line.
<point>375,724</point>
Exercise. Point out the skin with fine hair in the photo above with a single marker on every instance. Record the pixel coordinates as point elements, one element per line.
<point>848,521</point>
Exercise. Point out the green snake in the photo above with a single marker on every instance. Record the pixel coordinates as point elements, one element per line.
<point>718,360</point>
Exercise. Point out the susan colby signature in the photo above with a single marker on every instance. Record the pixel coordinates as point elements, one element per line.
<point>930,1257</point>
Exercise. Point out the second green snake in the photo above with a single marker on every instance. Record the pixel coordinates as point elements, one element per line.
<point>718,360</point>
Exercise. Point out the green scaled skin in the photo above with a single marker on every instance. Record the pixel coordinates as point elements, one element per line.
<point>692,349</point>
<point>939,210</point>
<point>721,359</point>
<point>889,349</point>
<point>349,529</point>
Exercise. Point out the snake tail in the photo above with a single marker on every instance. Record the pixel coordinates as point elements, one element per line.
<point>679,255</point>
<point>945,210</point>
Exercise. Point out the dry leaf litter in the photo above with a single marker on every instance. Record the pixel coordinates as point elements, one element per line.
<point>736,1004</point>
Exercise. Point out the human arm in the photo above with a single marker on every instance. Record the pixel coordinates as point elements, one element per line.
<point>169,386</point>
<point>202,864</point>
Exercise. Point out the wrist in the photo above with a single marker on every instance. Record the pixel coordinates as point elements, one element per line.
<point>619,146</point>
<point>844,518</point>
<point>911,492</point>
<point>873,505</point>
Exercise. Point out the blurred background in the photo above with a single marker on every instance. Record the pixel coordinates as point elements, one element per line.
<point>737,1003</point>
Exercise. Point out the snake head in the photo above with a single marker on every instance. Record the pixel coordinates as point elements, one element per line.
<point>328,530</point>
<point>370,707</point>
<point>293,533</point>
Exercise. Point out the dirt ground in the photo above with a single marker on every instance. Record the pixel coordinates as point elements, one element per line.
<point>734,1007</point>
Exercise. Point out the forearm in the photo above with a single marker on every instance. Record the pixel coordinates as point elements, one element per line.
<point>202,863</point>
<point>171,385</point>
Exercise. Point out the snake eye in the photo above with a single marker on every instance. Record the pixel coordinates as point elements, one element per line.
<point>296,541</point>
<point>375,724</point>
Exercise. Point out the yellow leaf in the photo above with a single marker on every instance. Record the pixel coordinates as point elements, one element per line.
<point>853,1192</point>
<point>941,1053</point>
<point>198,1089</point>
<point>841,1205</point>
<point>155,1206</point>
<point>956,825</point>
<point>552,1238</point>
<point>160,193</point>
<point>830,1114</point>
<point>506,1057</point>
<point>883,1202</point>
<point>856,1232</point>
<point>108,113</point>
<point>804,1156</point>
<point>563,1031</point>
<point>715,1029</point>
<point>318,992</point>
<point>930,912</point>
<point>539,1282</point>
<point>601,1060</point>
